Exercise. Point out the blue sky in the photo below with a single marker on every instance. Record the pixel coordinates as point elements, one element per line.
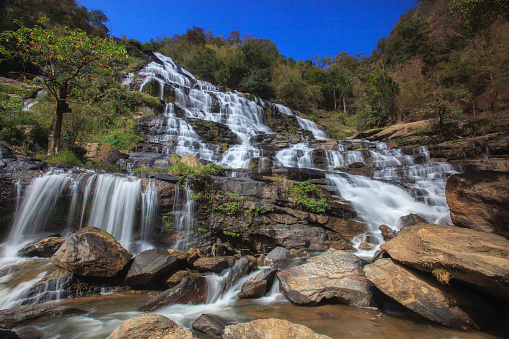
<point>301,29</point>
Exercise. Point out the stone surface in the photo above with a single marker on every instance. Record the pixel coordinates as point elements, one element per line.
<point>387,232</point>
<point>211,264</point>
<point>190,160</point>
<point>150,265</point>
<point>19,315</point>
<point>277,254</point>
<point>43,248</point>
<point>210,324</point>
<point>190,290</point>
<point>477,258</point>
<point>270,329</point>
<point>8,334</point>
<point>150,326</point>
<point>258,285</point>
<point>423,294</point>
<point>409,220</point>
<point>238,270</point>
<point>92,252</point>
<point>333,275</point>
<point>480,201</point>
<point>178,276</point>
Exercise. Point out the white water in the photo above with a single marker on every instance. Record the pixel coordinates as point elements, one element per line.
<point>298,155</point>
<point>204,101</point>
<point>183,218</point>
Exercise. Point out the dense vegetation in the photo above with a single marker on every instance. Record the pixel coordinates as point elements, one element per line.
<point>446,60</point>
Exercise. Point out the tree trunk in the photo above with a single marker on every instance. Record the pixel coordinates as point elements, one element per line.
<point>55,129</point>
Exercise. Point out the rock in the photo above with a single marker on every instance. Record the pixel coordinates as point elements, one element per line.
<point>211,264</point>
<point>190,160</point>
<point>358,164</point>
<point>276,254</point>
<point>480,200</point>
<point>474,257</point>
<point>366,246</point>
<point>181,256</point>
<point>258,285</point>
<point>8,334</point>
<point>92,252</point>
<point>148,266</point>
<point>18,315</point>
<point>6,152</point>
<point>239,269</point>
<point>190,290</point>
<point>333,275</point>
<point>347,228</point>
<point>150,326</point>
<point>270,329</point>
<point>178,276</point>
<point>387,232</point>
<point>210,324</point>
<point>423,294</point>
<point>409,220</point>
<point>43,248</point>
<point>192,255</point>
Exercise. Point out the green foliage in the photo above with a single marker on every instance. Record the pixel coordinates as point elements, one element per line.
<point>255,212</point>
<point>302,195</point>
<point>478,15</point>
<point>442,275</point>
<point>442,107</point>
<point>167,221</point>
<point>202,230</point>
<point>122,139</point>
<point>315,206</point>
<point>64,157</point>
<point>230,203</point>
<point>380,93</point>
<point>231,234</point>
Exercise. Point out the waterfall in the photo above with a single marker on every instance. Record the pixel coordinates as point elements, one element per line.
<point>52,204</point>
<point>298,155</point>
<point>183,217</point>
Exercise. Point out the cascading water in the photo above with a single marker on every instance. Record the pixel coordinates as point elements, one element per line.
<point>183,217</point>
<point>204,101</point>
<point>298,155</point>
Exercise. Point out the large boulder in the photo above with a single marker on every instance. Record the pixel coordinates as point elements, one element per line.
<point>19,315</point>
<point>239,269</point>
<point>178,276</point>
<point>335,275</point>
<point>150,326</point>
<point>210,324</point>
<point>92,252</point>
<point>277,253</point>
<point>211,264</point>
<point>258,285</point>
<point>409,220</point>
<point>474,257</point>
<point>270,329</point>
<point>42,248</point>
<point>423,294</point>
<point>480,201</point>
<point>149,266</point>
<point>190,290</point>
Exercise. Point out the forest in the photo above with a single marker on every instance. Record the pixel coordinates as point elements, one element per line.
<point>444,60</point>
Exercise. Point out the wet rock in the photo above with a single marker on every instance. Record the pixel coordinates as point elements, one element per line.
<point>190,160</point>
<point>239,269</point>
<point>150,326</point>
<point>92,252</point>
<point>53,286</point>
<point>276,254</point>
<point>409,220</point>
<point>149,266</point>
<point>358,164</point>
<point>366,246</point>
<point>258,285</point>
<point>8,334</point>
<point>190,290</point>
<point>178,276</point>
<point>333,275</point>
<point>193,254</point>
<point>210,324</point>
<point>43,248</point>
<point>477,258</point>
<point>387,232</point>
<point>181,256</point>
<point>347,228</point>
<point>211,264</point>
<point>480,200</point>
<point>266,236</point>
<point>270,329</point>
<point>423,294</point>
<point>19,315</point>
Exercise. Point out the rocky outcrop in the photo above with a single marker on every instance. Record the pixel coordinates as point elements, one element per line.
<point>480,200</point>
<point>474,257</point>
<point>210,324</point>
<point>149,266</point>
<point>423,294</point>
<point>211,264</point>
<point>409,220</point>
<point>277,254</point>
<point>19,315</point>
<point>387,232</point>
<point>270,329</point>
<point>150,326</point>
<point>178,276</point>
<point>238,270</point>
<point>92,252</point>
<point>258,285</point>
<point>43,248</point>
<point>335,275</point>
<point>190,290</point>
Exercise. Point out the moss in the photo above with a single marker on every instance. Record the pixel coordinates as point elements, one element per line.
<point>442,275</point>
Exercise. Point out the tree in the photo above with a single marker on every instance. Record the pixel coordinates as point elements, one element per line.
<point>340,83</point>
<point>442,106</point>
<point>380,93</point>
<point>64,57</point>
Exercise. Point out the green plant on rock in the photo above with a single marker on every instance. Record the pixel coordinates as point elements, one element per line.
<point>442,275</point>
<point>167,221</point>
<point>230,203</point>
<point>202,230</point>
<point>231,234</point>
<point>255,212</point>
<point>315,206</point>
<point>303,196</point>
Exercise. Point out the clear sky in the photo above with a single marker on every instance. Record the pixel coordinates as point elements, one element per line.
<point>300,28</point>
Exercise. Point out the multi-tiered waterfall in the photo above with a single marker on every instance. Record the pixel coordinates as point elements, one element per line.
<point>383,184</point>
